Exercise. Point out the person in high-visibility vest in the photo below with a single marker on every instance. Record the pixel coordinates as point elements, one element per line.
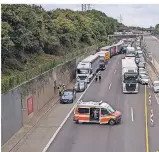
<point>63,87</point>
<point>60,90</point>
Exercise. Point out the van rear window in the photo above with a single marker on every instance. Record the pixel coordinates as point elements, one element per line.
<point>83,110</point>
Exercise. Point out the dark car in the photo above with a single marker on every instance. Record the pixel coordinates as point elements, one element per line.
<point>68,96</point>
<point>80,86</point>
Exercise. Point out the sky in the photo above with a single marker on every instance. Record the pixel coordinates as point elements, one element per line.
<point>142,15</point>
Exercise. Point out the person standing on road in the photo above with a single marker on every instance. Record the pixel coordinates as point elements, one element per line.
<point>63,87</point>
<point>60,89</point>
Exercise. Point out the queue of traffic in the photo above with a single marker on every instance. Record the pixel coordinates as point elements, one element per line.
<point>87,68</point>
<point>102,112</point>
<point>133,69</point>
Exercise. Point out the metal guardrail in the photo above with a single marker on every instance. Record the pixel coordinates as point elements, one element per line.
<point>149,60</point>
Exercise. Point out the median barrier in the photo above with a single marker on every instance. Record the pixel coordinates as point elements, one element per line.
<point>151,61</point>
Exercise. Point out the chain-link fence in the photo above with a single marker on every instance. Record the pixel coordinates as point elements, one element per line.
<point>13,81</point>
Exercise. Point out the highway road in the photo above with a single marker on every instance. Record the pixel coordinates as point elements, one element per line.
<point>153,46</point>
<point>129,136</point>
<point>153,130</point>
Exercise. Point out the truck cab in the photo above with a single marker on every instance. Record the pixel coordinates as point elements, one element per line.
<point>130,76</point>
<point>87,68</point>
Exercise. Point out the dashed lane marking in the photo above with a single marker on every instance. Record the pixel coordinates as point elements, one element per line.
<point>132,114</point>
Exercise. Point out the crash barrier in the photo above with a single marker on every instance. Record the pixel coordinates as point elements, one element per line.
<point>150,62</point>
<point>150,100</point>
<point>151,118</point>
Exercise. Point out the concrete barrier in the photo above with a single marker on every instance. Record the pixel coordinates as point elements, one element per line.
<point>22,103</point>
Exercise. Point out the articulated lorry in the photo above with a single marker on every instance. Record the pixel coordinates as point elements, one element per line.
<point>87,68</point>
<point>104,58</point>
<point>129,76</point>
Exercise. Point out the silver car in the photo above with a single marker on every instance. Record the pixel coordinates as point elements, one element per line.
<point>80,86</point>
<point>142,71</point>
<point>143,79</point>
<point>155,86</point>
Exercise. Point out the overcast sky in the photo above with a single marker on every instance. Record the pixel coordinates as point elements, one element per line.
<point>132,15</point>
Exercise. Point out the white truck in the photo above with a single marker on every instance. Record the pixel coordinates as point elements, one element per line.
<point>87,68</point>
<point>129,76</point>
<point>130,52</point>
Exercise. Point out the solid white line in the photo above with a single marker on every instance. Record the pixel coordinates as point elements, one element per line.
<point>157,98</point>
<point>114,71</point>
<point>110,85</point>
<point>59,128</point>
<point>132,114</point>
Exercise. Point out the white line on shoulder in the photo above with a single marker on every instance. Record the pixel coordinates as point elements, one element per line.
<point>59,128</point>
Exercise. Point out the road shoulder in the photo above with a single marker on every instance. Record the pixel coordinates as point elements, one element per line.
<point>34,136</point>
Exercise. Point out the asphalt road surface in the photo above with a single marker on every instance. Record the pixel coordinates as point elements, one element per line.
<point>129,136</point>
<point>153,130</point>
<point>153,46</point>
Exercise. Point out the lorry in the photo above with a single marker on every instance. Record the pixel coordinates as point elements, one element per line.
<point>130,52</point>
<point>129,76</point>
<point>118,47</point>
<point>87,68</point>
<point>104,58</point>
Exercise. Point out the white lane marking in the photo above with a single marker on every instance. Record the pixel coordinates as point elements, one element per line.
<point>110,86</point>
<point>59,128</point>
<point>157,98</point>
<point>118,62</point>
<point>114,71</point>
<point>132,114</point>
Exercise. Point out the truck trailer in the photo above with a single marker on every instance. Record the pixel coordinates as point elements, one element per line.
<point>129,76</point>
<point>104,58</point>
<point>87,68</point>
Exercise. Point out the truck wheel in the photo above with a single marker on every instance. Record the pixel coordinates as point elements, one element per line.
<point>111,122</point>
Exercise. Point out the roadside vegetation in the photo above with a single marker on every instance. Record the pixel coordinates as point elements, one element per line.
<point>157,27</point>
<point>32,36</point>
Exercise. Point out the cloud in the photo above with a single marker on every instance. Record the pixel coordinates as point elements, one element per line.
<point>142,15</point>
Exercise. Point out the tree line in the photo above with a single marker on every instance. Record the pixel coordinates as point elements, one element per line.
<point>29,29</point>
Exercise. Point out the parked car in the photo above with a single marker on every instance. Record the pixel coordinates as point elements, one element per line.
<point>80,86</point>
<point>68,96</point>
<point>143,79</point>
<point>155,86</point>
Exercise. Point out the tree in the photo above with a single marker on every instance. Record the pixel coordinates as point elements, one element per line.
<point>29,29</point>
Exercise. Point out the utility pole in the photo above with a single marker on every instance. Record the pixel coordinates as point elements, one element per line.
<point>121,19</point>
<point>86,7</point>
